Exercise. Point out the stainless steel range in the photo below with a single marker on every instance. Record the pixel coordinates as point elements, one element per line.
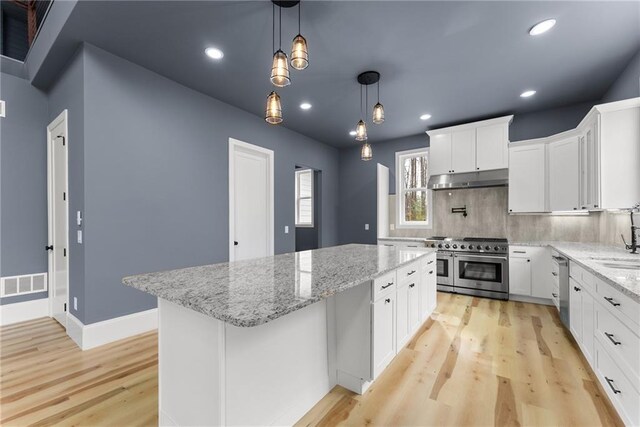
<point>473,266</point>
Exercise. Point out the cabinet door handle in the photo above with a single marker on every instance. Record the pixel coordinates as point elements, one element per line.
<point>411,272</point>
<point>430,262</point>
<point>387,285</point>
<point>431,272</point>
<point>610,382</point>
<point>612,302</point>
<point>387,300</point>
<point>412,285</point>
<point>577,289</point>
<point>610,336</point>
<point>555,295</point>
<point>554,273</point>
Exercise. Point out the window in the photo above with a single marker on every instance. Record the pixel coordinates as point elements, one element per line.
<point>413,200</point>
<point>304,198</point>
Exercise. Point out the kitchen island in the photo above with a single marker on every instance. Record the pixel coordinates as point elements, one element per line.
<point>259,342</point>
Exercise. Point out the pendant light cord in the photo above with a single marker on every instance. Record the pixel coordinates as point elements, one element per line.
<point>361,109</point>
<point>273,27</point>
<point>366,98</point>
<point>299,12</point>
<point>280,26</point>
<point>378,91</point>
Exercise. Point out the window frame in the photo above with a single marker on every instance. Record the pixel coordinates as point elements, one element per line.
<point>299,224</point>
<point>401,156</point>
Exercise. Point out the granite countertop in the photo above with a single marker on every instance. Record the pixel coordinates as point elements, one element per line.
<point>591,255</point>
<point>253,292</point>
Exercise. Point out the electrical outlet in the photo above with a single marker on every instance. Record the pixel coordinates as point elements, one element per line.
<point>286,229</point>
<point>79,236</point>
<point>392,227</point>
<point>366,226</point>
<point>75,303</point>
<point>2,109</point>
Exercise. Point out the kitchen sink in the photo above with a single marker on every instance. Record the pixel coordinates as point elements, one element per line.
<point>624,265</point>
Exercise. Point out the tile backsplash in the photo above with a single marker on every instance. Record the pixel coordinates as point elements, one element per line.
<point>487,217</point>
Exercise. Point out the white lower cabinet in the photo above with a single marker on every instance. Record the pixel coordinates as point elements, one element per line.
<point>519,276</point>
<point>529,272</point>
<point>383,332</point>
<point>608,337</point>
<point>375,320</point>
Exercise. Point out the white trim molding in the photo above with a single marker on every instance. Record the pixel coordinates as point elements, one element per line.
<point>400,222</point>
<point>23,311</point>
<point>107,331</point>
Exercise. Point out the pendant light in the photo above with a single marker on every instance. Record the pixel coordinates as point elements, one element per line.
<point>366,153</point>
<point>378,109</point>
<point>361,127</point>
<point>280,66</point>
<point>299,50</point>
<point>273,113</point>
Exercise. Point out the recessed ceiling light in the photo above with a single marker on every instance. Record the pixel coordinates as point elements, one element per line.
<point>352,133</point>
<point>425,117</point>
<point>527,93</point>
<point>214,53</point>
<point>305,105</point>
<point>542,27</point>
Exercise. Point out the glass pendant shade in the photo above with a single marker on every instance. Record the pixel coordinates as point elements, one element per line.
<point>299,53</point>
<point>273,114</point>
<point>280,70</point>
<point>361,131</point>
<point>367,153</point>
<point>378,114</point>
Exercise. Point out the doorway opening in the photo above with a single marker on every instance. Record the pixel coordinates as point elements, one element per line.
<point>308,215</point>
<point>58,217</point>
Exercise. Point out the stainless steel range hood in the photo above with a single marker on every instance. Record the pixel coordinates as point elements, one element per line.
<point>493,178</point>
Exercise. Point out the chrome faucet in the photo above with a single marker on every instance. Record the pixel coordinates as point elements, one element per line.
<point>633,247</point>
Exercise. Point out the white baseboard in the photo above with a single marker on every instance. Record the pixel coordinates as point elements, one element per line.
<point>23,311</point>
<point>107,331</point>
<point>533,300</point>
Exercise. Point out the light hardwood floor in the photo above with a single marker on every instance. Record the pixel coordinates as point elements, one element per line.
<point>45,379</point>
<point>476,362</point>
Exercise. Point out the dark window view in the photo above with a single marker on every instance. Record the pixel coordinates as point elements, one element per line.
<point>20,21</point>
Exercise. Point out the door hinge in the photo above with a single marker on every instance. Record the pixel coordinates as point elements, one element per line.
<point>63,139</point>
<point>64,251</point>
<point>65,306</point>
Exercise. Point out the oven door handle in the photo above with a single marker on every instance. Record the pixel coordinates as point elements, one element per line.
<point>476,257</point>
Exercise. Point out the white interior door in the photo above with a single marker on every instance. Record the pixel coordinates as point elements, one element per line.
<point>58,218</point>
<point>383,201</point>
<point>250,201</point>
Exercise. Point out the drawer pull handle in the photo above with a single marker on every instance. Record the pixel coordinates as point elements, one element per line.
<point>519,252</point>
<point>387,285</point>
<point>431,272</point>
<point>555,295</point>
<point>554,273</point>
<point>412,285</point>
<point>411,272</point>
<point>387,300</point>
<point>577,289</point>
<point>430,262</point>
<point>612,302</point>
<point>610,382</point>
<point>610,336</point>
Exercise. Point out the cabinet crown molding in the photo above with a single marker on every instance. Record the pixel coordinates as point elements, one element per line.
<point>495,121</point>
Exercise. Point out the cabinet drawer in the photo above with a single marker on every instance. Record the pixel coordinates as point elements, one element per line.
<point>621,342</point>
<point>582,276</point>
<point>408,273</point>
<point>383,284</point>
<point>619,303</point>
<point>617,386</point>
<point>520,251</point>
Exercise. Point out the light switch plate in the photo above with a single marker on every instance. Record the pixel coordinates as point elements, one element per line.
<point>2,109</point>
<point>79,218</point>
<point>75,303</point>
<point>366,226</point>
<point>79,236</point>
<point>286,229</point>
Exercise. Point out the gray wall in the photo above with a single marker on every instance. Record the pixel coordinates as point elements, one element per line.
<point>628,84</point>
<point>156,179</point>
<point>23,184</point>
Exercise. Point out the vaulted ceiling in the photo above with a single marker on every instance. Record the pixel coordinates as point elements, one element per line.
<point>457,61</point>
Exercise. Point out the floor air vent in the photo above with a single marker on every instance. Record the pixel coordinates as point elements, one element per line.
<point>25,284</point>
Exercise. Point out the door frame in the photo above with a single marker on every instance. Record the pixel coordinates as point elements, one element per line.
<point>234,145</point>
<point>63,117</point>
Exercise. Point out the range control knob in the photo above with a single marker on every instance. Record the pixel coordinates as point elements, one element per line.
<point>496,248</point>
<point>440,245</point>
<point>487,247</point>
<point>446,246</point>
<point>455,246</point>
<point>462,246</point>
<point>470,247</point>
<point>433,245</point>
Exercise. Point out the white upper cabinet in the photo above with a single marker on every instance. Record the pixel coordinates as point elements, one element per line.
<point>492,147</point>
<point>440,154</point>
<point>470,147</point>
<point>463,151</point>
<point>527,175</point>
<point>564,174</point>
